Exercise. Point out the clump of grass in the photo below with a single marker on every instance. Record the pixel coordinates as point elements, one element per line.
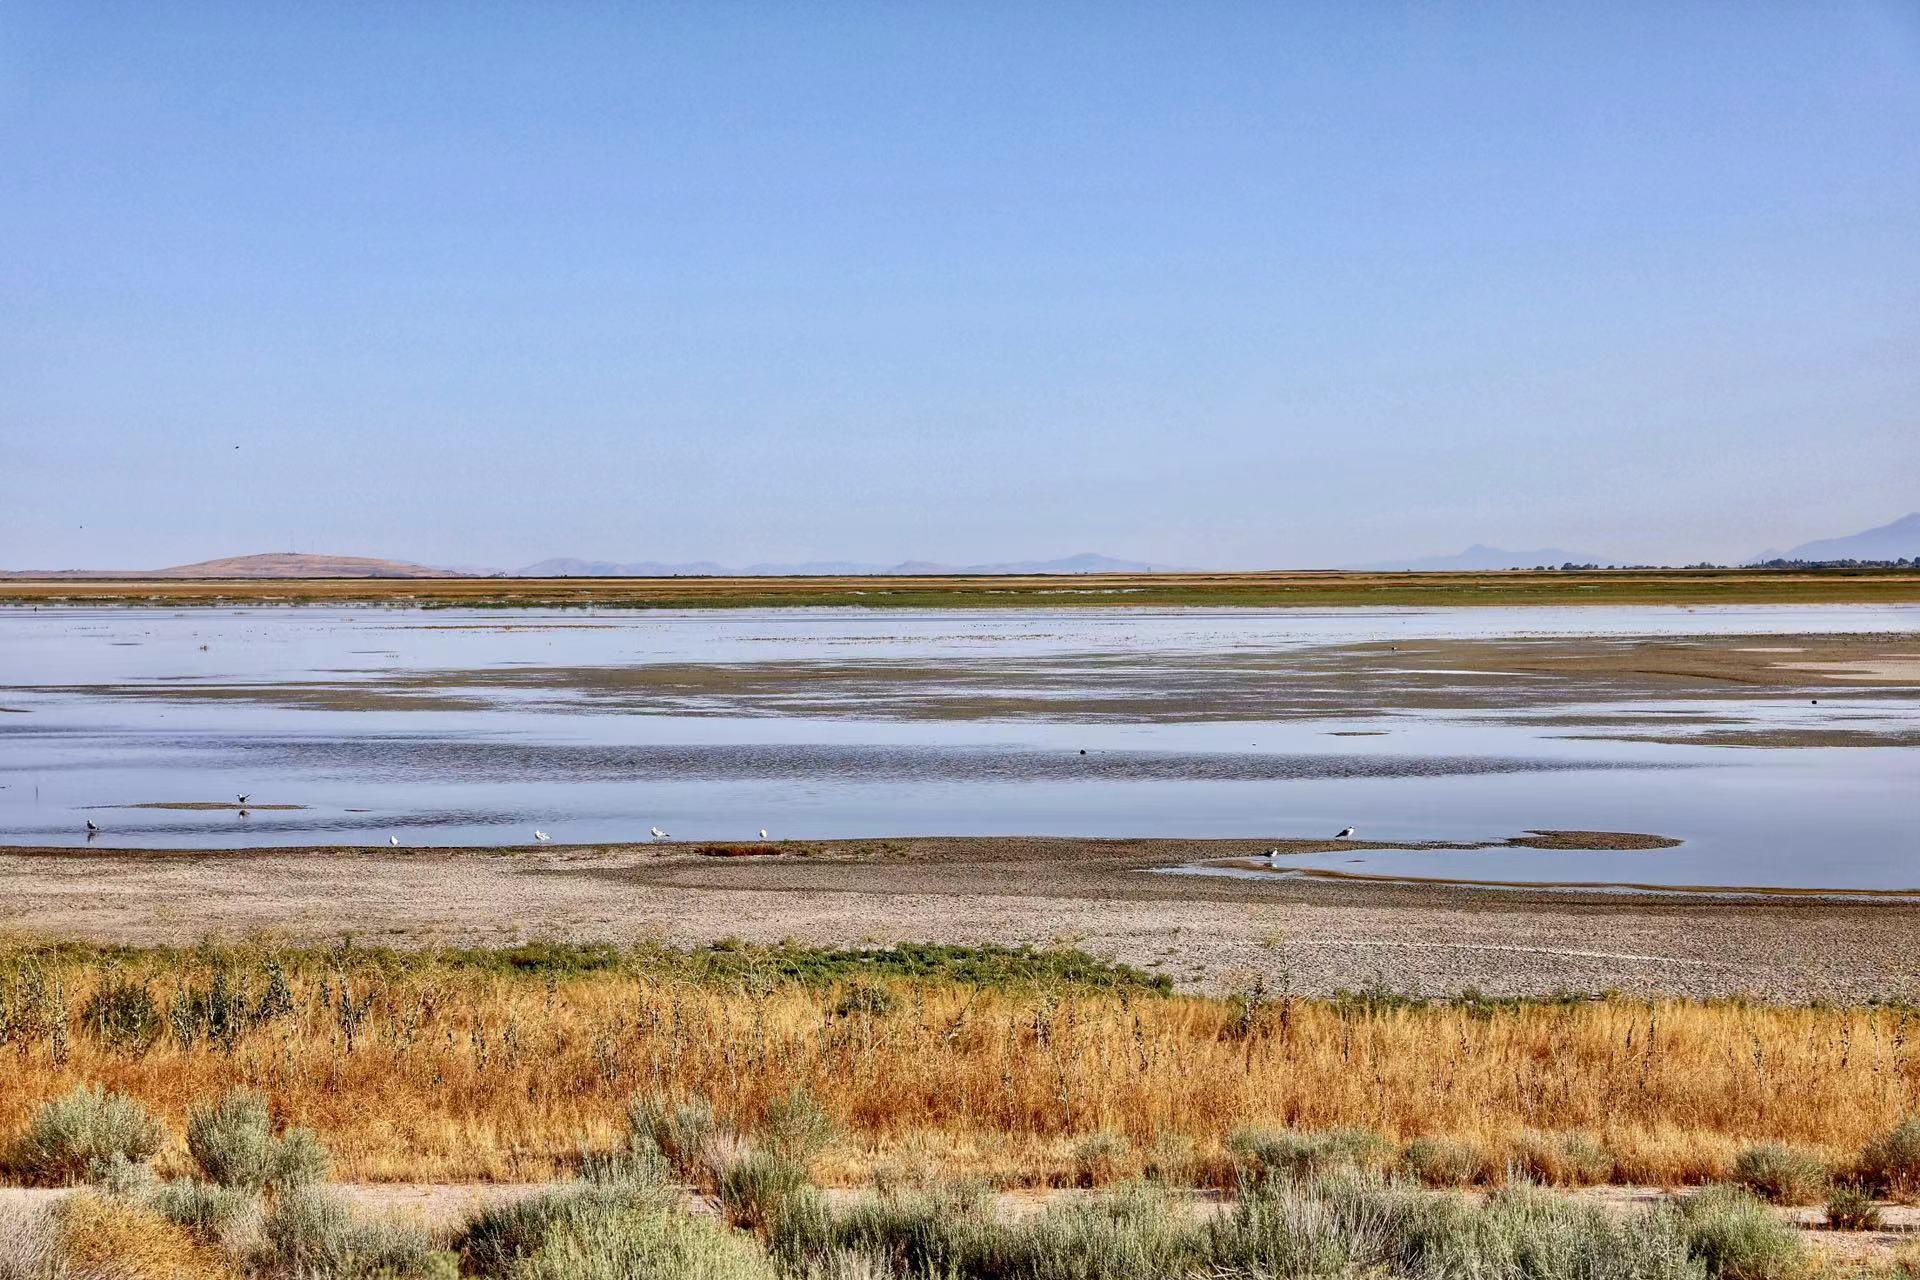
<point>1733,1235</point>
<point>233,1143</point>
<point>1781,1174</point>
<point>1852,1208</point>
<point>1173,1160</point>
<point>122,1014</point>
<point>94,1236</point>
<point>1445,1162</point>
<point>1295,1153</point>
<point>797,1127</point>
<point>1891,1161</point>
<point>1573,1159</point>
<point>1100,1158</point>
<point>310,1233</point>
<point>80,1134</point>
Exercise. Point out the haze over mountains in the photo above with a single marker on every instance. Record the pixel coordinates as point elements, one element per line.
<point>1085,562</point>
<point>1480,558</point>
<point>1898,540</point>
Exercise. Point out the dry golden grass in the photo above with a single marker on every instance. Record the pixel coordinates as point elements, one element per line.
<point>96,1238</point>
<point>441,1071</point>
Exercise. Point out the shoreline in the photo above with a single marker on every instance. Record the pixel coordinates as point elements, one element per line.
<point>1311,935</point>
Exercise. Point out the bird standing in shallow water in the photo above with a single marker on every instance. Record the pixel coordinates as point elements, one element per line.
<point>91,829</point>
<point>243,799</point>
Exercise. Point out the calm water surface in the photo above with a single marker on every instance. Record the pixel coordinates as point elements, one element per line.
<point>463,728</point>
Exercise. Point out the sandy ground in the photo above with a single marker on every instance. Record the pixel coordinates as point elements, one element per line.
<point>1308,935</point>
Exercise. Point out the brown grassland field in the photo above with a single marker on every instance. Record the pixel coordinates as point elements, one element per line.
<point>999,1065</point>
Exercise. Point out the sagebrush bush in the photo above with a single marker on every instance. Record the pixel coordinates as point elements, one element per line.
<point>1733,1235</point>
<point>310,1235</point>
<point>1891,1162</point>
<point>213,1214</point>
<point>1296,1153</point>
<point>232,1141</point>
<point>80,1134</point>
<point>1445,1162</point>
<point>1852,1208</point>
<point>605,1232</point>
<point>755,1187</point>
<point>1782,1174</point>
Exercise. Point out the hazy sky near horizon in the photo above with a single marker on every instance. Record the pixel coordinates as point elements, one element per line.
<point>1228,285</point>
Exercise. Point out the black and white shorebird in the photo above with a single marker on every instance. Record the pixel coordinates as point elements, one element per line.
<point>1343,833</point>
<point>91,829</point>
<point>243,799</point>
<point>541,836</point>
<point>658,834</point>
<point>763,833</point>
<point>393,839</point>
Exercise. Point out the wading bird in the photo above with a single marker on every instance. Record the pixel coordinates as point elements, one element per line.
<point>658,834</point>
<point>243,799</point>
<point>541,836</point>
<point>763,833</point>
<point>1343,833</point>
<point>393,839</point>
<point>91,829</point>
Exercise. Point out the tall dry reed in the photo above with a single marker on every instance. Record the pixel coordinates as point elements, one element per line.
<point>452,1072</point>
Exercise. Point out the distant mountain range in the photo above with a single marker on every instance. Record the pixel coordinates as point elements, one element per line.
<point>1897,541</point>
<point>1480,558</point>
<point>1085,562</point>
<point>289,564</point>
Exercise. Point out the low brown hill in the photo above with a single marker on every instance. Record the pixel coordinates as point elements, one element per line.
<point>275,564</point>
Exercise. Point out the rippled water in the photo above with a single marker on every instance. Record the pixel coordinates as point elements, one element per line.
<point>454,728</point>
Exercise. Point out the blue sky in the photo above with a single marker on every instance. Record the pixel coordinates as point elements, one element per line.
<point>1217,284</point>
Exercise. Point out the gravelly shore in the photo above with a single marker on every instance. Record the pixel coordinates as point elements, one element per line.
<point>1307,935</point>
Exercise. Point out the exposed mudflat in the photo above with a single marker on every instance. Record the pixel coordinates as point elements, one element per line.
<point>1306,934</point>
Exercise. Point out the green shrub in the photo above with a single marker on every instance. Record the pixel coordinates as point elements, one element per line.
<point>1100,1158</point>
<point>232,1141</point>
<point>1562,1159</point>
<point>1891,1162</point>
<point>1782,1174</point>
<point>82,1132</point>
<point>1297,1153</point>
<point>605,1233</point>
<point>1852,1208</point>
<point>310,1235</point>
<point>211,1213</point>
<point>1731,1232</point>
<point>755,1187</point>
<point>797,1128</point>
<point>1445,1162</point>
<point>496,1238</point>
<point>637,1160</point>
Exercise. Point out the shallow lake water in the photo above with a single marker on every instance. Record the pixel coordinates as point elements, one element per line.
<point>442,727</point>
